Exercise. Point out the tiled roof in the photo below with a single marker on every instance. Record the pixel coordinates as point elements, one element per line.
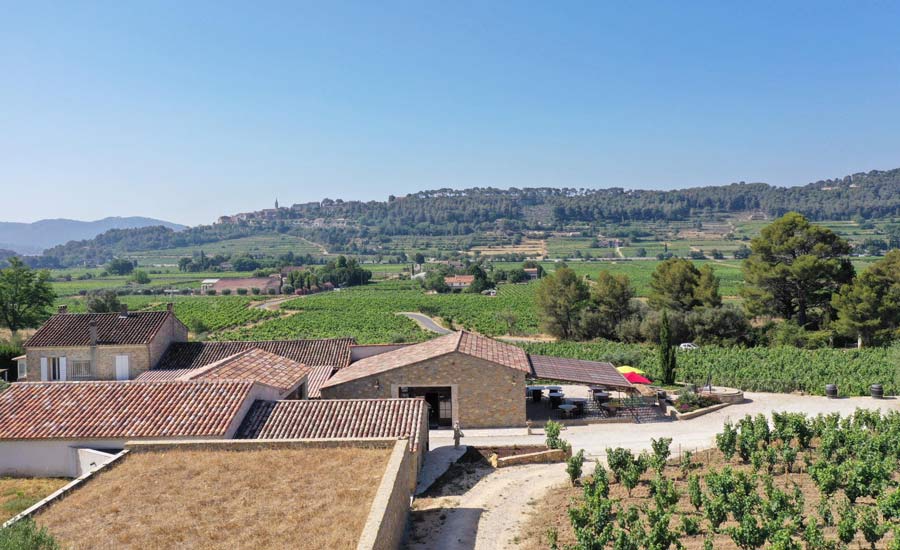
<point>335,418</point>
<point>116,410</point>
<point>255,365</point>
<point>462,279</point>
<point>464,342</point>
<point>73,329</point>
<point>159,375</point>
<point>577,370</point>
<point>317,377</point>
<point>234,283</point>
<point>191,355</point>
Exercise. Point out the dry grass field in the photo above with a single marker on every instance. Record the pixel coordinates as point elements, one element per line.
<point>286,498</point>
<point>17,494</point>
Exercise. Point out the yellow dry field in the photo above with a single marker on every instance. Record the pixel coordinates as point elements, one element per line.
<point>265,498</point>
<point>530,247</point>
<point>17,494</point>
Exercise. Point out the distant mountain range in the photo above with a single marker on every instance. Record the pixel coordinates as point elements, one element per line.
<point>35,237</point>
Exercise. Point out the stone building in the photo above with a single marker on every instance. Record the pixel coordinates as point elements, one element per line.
<point>100,346</point>
<point>464,377</point>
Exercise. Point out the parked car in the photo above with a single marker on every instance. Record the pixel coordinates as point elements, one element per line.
<point>689,346</point>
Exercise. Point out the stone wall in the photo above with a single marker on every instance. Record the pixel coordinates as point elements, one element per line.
<point>485,394</point>
<point>388,516</point>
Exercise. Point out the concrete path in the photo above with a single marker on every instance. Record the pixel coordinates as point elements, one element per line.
<point>437,460</point>
<point>426,322</point>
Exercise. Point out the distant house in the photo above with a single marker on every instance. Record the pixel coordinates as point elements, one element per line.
<point>532,272</point>
<point>264,284</point>
<point>459,282</point>
<point>99,346</point>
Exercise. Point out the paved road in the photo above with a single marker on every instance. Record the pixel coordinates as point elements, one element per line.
<point>426,322</point>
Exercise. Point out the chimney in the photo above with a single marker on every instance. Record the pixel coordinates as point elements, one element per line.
<point>63,309</point>
<point>170,307</point>
<point>92,326</point>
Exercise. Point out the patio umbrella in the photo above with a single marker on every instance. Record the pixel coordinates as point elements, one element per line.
<point>628,368</point>
<point>635,378</point>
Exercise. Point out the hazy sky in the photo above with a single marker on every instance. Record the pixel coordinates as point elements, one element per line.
<point>189,110</point>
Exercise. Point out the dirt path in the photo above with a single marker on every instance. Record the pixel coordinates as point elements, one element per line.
<point>272,305</point>
<point>484,510</point>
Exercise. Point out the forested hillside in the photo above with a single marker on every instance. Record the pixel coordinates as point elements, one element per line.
<point>335,223</point>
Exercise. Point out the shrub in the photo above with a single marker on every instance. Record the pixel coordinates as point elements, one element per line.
<point>661,452</point>
<point>226,292</point>
<point>272,292</point>
<point>694,492</point>
<point>690,526</point>
<point>574,466</point>
<point>242,291</point>
<point>287,289</point>
<point>255,291</point>
<point>25,535</point>
<point>552,430</point>
<point>726,441</point>
<point>211,292</point>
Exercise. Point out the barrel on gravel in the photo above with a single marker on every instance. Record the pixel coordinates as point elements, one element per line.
<point>831,390</point>
<point>877,391</point>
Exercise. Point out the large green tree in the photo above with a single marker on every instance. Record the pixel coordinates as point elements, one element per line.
<point>25,296</point>
<point>869,309</point>
<point>794,269</point>
<point>610,304</point>
<point>560,298</point>
<point>673,285</point>
<point>707,290</point>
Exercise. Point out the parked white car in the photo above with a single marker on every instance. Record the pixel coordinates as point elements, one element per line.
<point>689,346</point>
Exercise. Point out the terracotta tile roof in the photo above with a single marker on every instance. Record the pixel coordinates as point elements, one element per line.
<point>317,377</point>
<point>234,283</point>
<point>191,355</point>
<point>117,410</point>
<point>158,375</point>
<point>255,365</point>
<point>335,418</point>
<point>577,370</point>
<point>73,329</point>
<point>464,342</point>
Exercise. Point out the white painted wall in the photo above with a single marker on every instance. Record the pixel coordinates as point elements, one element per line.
<point>47,458</point>
<point>90,460</point>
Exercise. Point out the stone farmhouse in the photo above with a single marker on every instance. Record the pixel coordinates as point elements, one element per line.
<point>99,346</point>
<point>459,282</point>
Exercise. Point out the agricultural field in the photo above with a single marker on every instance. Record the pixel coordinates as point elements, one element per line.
<point>370,314</point>
<point>259,245</point>
<point>790,482</point>
<point>768,369</point>
<point>207,313</point>
<point>639,271</point>
<point>159,279</point>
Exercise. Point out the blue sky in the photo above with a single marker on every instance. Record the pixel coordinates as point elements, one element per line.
<point>189,110</point>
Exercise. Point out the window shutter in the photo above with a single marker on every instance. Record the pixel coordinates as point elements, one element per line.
<point>43,369</point>
<point>62,368</point>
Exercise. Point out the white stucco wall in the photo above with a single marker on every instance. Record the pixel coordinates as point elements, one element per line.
<point>48,458</point>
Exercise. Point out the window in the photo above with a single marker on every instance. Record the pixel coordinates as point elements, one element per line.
<point>23,369</point>
<point>54,367</point>
<point>81,369</point>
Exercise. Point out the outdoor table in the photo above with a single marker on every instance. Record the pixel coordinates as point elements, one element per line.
<point>555,399</point>
<point>567,408</point>
<point>601,396</point>
<point>554,388</point>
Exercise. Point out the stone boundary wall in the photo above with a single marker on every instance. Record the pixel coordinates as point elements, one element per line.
<point>386,524</point>
<point>540,457</point>
<point>698,412</point>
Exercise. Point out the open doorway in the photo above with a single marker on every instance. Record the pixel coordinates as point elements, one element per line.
<point>440,403</point>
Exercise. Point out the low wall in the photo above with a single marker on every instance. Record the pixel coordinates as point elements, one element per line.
<point>698,412</point>
<point>386,524</point>
<point>541,457</point>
